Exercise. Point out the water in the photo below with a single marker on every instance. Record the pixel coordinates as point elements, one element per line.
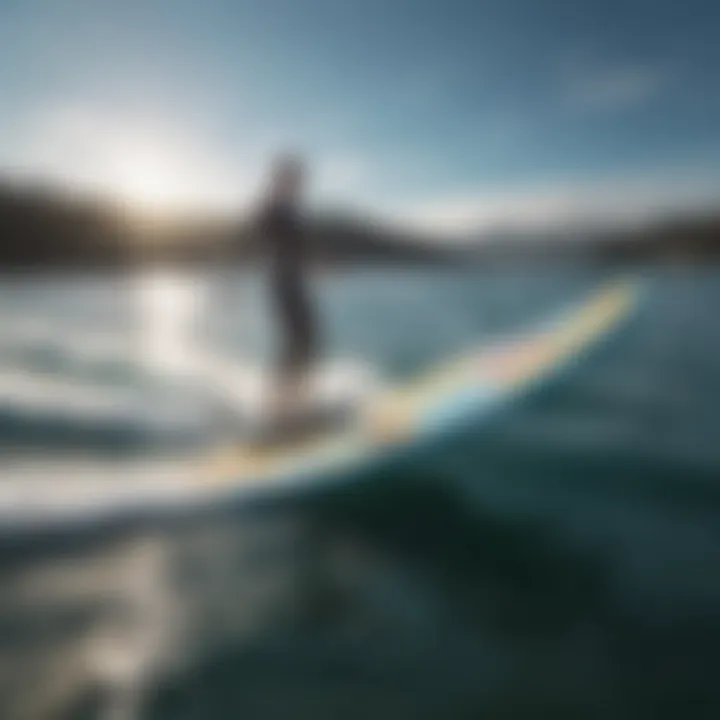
<point>561,561</point>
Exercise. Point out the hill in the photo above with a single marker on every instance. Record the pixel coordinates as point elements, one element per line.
<point>42,228</point>
<point>45,229</point>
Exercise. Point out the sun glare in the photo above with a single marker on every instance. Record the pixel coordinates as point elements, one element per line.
<point>151,167</point>
<point>152,180</point>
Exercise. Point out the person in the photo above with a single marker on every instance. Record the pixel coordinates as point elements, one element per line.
<point>283,237</point>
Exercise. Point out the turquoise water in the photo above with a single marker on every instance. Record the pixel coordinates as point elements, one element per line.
<point>560,561</point>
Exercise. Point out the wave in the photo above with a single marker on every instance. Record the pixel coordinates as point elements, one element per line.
<point>27,397</point>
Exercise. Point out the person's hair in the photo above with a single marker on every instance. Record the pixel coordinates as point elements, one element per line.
<point>287,163</point>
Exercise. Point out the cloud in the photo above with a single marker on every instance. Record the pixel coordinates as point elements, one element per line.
<point>620,201</point>
<point>611,87</point>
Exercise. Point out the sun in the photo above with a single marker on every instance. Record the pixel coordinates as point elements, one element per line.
<point>152,166</point>
<point>153,179</point>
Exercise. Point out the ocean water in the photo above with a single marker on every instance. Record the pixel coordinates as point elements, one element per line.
<point>561,560</point>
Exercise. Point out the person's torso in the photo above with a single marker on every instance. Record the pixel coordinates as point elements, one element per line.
<point>283,235</point>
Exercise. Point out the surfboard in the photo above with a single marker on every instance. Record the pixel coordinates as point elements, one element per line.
<point>461,391</point>
<point>395,422</point>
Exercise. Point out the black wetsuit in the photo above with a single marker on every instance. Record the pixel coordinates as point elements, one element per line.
<point>283,236</point>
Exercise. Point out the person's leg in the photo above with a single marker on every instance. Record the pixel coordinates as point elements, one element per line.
<point>299,340</point>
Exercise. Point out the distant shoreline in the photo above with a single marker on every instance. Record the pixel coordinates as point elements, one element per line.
<point>48,232</point>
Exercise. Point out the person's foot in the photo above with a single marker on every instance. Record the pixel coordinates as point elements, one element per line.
<point>285,412</point>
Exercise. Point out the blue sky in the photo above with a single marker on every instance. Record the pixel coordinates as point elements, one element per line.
<point>450,113</point>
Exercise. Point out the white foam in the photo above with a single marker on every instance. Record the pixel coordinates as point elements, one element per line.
<point>44,397</point>
<point>338,383</point>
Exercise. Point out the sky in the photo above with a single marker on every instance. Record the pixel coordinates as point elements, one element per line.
<point>449,114</point>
